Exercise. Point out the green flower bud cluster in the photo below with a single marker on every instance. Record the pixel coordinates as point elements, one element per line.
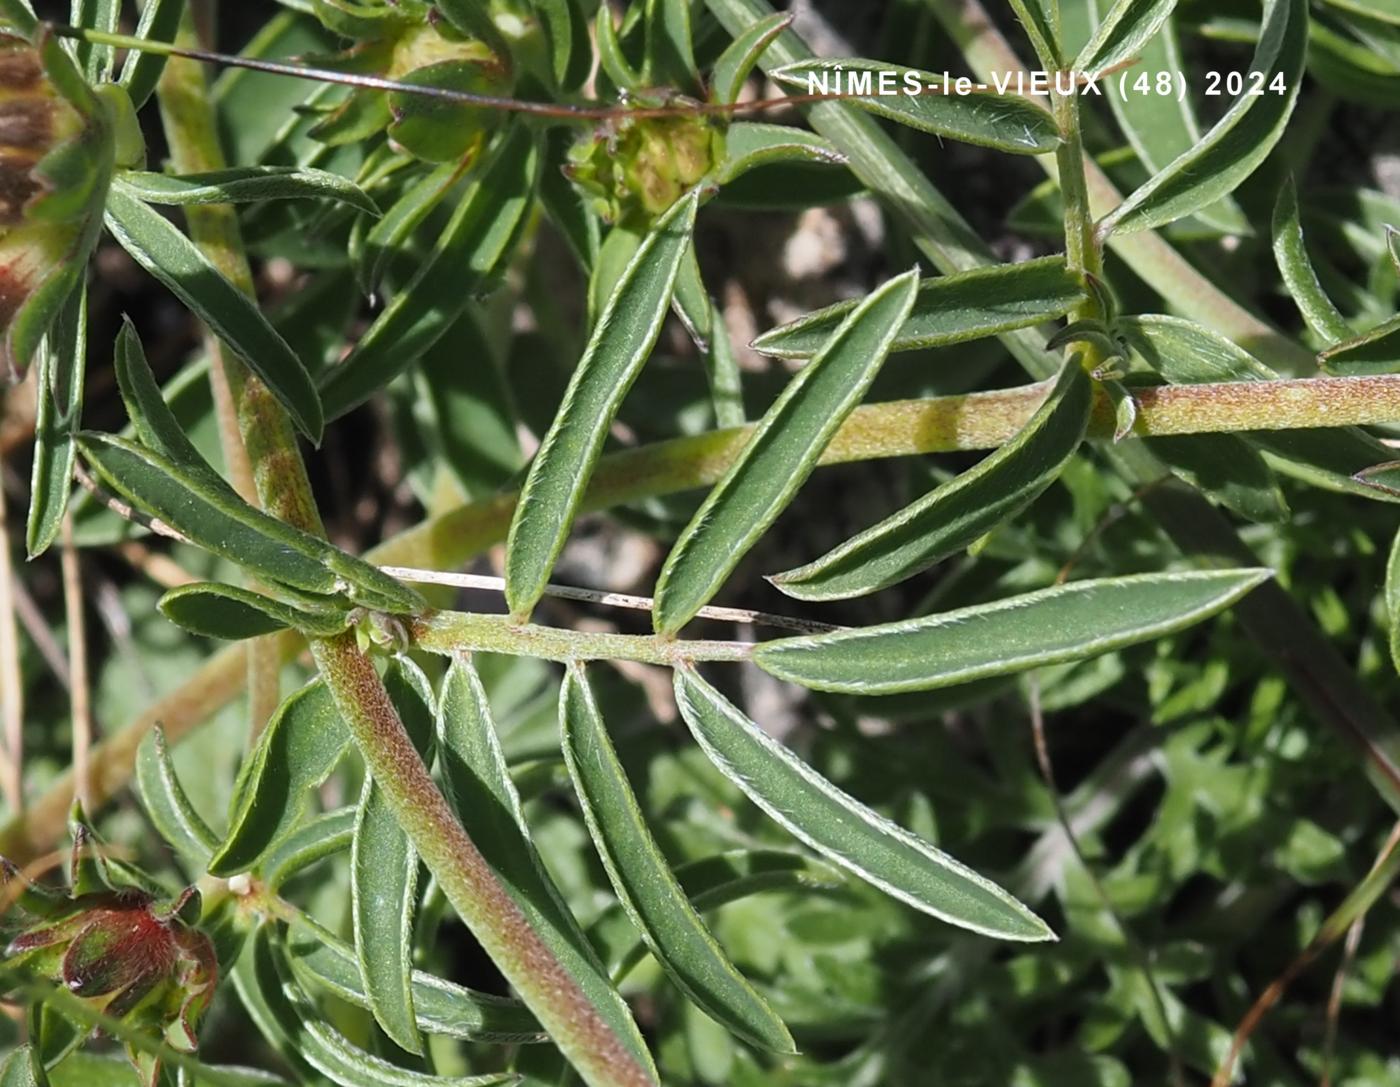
<point>635,169</point>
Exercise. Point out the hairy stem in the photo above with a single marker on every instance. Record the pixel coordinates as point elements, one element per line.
<point>237,394</point>
<point>1318,674</point>
<point>449,632</point>
<point>875,431</point>
<point>1161,267</point>
<point>284,490</point>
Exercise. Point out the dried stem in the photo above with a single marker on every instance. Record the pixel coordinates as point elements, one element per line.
<point>1383,871</point>
<point>1135,948</point>
<point>11,681</point>
<point>79,693</point>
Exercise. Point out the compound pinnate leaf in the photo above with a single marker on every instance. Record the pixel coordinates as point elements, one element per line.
<point>740,57</point>
<point>1291,254</point>
<point>246,184</point>
<point>160,248</point>
<point>168,806</point>
<point>384,875</point>
<point>1122,32</point>
<point>296,753</point>
<point>918,99</point>
<point>1239,141</point>
<point>780,455</point>
<point>479,785</point>
<point>645,885</point>
<point>622,340</point>
<point>951,309</point>
<point>58,412</point>
<point>231,613</point>
<point>1065,623</point>
<point>961,511</point>
<point>841,828</point>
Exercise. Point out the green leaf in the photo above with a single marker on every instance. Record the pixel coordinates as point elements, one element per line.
<point>168,807</point>
<point>470,254</point>
<point>841,828</point>
<point>1382,477</point>
<point>477,782</point>
<point>960,512</point>
<point>1294,265</point>
<point>20,15</point>
<point>670,54</point>
<point>246,185</point>
<point>1122,33</point>
<point>384,875</point>
<point>208,515</point>
<point>740,57</point>
<point>611,57</point>
<point>1065,623</point>
<point>749,145</point>
<point>1005,122</point>
<point>1040,19</point>
<point>155,244</point>
<point>718,880</point>
<point>1160,127</point>
<point>951,309</point>
<point>322,836</point>
<point>226,611</point>
<point>293,1023</point>
<point>320,958</point>
<point>1373,352</point>
<point>295,754</point>
<point>219,521</point>
<point>622,339</point>
<point>474,421</point>
<point>155,424</point>
<point>642,878</point>
<point>58,414</point>
<point>780,454</point>
<point>1228,469</point>
<point>159,22</point>
<point>22,1068</point>
<point>97,61</point>
<point>1392,600</point>
<point>1238,142</point>
<point>473,18</point>
<point>388,237</point>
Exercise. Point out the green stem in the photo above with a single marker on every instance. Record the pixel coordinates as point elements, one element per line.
<point>1318,674</point>
<point>1081,247</point>
<point>1159,265</point>
<point>284,490</point>
<point>215,230</point>
<point>449,632</point>
<point>875,431</point>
